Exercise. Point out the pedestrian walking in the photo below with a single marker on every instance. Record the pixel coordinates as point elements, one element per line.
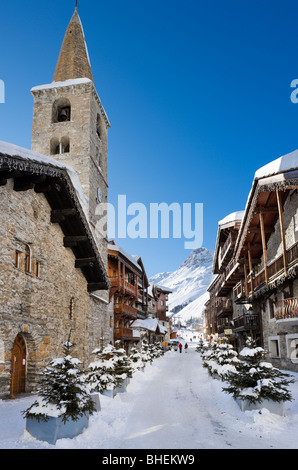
<point>180,347</point>
<point>186,347</point>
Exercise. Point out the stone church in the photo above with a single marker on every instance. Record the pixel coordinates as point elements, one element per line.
<point>53,264</point>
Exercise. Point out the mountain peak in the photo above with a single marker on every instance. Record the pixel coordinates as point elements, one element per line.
<point>198,257</point>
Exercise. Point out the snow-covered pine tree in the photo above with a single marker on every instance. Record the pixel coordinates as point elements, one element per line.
<point>122,366</point>
<point>62,390</point>
<point>100,373</point>
<point>255,380</point>
<point>146,357</point>
<point>221,360</point>
<point>152,351</point>
<point>136,358</point>
<point>200,345</point>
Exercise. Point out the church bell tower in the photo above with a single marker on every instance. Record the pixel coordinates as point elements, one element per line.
<point>70,123</point>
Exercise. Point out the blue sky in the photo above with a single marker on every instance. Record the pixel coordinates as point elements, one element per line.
<point>197,93</point>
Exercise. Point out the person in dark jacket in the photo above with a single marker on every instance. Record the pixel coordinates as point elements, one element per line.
<point>185,347</point>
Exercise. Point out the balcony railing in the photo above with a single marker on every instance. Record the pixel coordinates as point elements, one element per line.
<point>223,305</point>
<point>246,322</point>
<point>123,333</point>
<point>128,310</point>
<point>119,283</point>
<point>276,267</point>
<point>239,290</point>
<point>286,309</point>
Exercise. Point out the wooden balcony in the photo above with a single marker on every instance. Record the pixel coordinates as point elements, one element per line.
<point>121,285</point>
<point>239,291</point>
<point>246,322</point>
<point>130,289</point>
<point>287,309</point>
<point>123,333</point>
<point>274,269</point>
<point>224,306</point>
<point>125,310</point>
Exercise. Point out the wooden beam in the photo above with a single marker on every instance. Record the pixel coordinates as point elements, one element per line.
<point>23,183</point>
<point>71,241</point>
<point>93,286</point>
<point>250,266</point>
<point>257,229</point>
<point>282,230</point>
<point>246,281</point>
<point>264,245</point>
<point>59,215</point>
<point>266,210</point>
<point>82,262</point>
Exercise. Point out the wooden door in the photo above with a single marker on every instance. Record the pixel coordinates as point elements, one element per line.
<point>18,366</point>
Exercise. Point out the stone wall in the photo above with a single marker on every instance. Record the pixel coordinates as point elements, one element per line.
<point>47,307</point>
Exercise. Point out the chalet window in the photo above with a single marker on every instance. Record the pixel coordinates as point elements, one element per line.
<point>274,347</point>
<point>271,309</point>
<point>18,259</point>
<point>37,269</point>
<point>27,259</point>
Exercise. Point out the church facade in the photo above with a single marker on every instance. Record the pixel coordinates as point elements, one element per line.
<point>53,264</point>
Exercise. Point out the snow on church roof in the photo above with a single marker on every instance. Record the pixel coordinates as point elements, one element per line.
<point>70,82</point>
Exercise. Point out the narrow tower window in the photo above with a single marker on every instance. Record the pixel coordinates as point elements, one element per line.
<point>61,110</point>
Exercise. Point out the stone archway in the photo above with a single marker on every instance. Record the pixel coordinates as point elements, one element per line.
<point>18,366</point>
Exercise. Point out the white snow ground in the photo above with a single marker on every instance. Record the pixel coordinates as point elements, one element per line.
<point>174,404</point>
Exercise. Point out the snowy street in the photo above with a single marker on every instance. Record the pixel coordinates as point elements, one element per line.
<point>173,404</point>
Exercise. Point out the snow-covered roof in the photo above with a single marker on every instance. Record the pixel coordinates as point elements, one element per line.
<point>70,82</point>
<point>280,165</point>
<point>150,324</point>
<point>231,219</point>
<point>132,258</point>
<point>28,155</point>
<point>25,159</point>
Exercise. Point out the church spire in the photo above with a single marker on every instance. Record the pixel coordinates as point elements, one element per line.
<point>73,61</point>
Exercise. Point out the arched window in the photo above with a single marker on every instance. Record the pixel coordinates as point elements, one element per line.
<point>58,147</point>
<point>55,147</point>
<point>65,145</point>
<point>61,111</point>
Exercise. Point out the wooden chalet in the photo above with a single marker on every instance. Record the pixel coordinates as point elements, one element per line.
<point>257,271</point>
<point>129,286</point>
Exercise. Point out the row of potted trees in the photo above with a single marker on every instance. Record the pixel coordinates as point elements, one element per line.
<point>252,381</point>
<point>67,395</point>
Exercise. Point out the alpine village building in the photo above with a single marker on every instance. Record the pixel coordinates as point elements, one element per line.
<point>57,279</point>
<point>255,291</point>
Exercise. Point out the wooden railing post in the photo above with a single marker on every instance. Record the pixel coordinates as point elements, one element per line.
<point>282,230</point>
<point>264,244</point>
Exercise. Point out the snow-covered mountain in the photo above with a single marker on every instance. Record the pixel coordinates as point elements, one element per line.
<point>189,284</point>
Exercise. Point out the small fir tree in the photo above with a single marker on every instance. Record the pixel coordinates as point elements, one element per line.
<point>145,354</point>
<point>221,360</point>
<point>136,358</point>
<point>62,391</point>
<point>256,380</point>
<point>100,373</point>
<point>122,365</point>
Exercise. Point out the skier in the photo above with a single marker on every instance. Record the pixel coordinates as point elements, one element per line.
<point>185,347</point>
<point>180,347</point>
